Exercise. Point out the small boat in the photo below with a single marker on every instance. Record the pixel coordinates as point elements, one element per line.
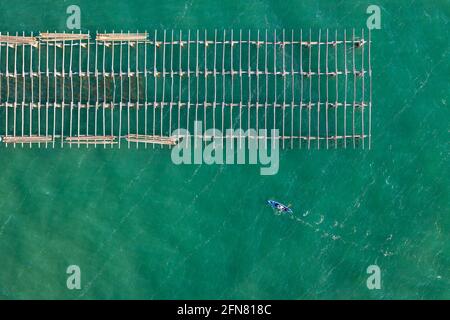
<point>279,206</point>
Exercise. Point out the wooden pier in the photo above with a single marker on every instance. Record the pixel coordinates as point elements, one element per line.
<point>131,89</point>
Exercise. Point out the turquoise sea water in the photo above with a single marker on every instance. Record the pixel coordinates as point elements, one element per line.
<point>140,227</point>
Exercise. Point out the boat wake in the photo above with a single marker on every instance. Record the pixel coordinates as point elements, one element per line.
<point>330,234</point>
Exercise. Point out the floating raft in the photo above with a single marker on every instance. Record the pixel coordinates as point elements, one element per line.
<point>91,140</point>
<point>27,139</point>
<point>55,37</point>
<point>15,40</point>
<point>171,141</point>
<point>122,37</point>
